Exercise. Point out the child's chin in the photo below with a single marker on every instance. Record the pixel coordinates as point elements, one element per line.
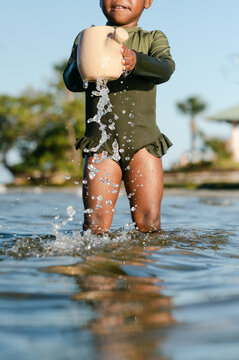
<point>119,19</point>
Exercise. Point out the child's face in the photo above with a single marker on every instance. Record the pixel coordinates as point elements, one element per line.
<point>124,12</point>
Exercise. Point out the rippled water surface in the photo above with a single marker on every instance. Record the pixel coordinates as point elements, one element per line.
<point>124,295</point>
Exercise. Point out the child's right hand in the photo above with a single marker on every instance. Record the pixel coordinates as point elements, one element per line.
<point>129,58</point>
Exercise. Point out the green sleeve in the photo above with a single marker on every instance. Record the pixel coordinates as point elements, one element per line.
<point>158,64</point>
<point>71,75</point>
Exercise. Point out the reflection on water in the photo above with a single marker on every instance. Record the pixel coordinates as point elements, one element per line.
<point>123,295</point>
<point>128,309</point>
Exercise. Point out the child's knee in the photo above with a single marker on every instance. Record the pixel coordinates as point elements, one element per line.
<point>98,223</point>
<point>148,221</point>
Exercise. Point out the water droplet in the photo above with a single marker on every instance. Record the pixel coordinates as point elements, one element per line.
<point>70,212</point>
<point>123,111</point>
<point>88,211</point>
<point>67,177</point>
<point>109,202</point>
<point>91,175</point>
<point>92,172</point>
<point>112,126</point>
<point>84,182</point>
<point>133,208</point>
<point>85,84</point>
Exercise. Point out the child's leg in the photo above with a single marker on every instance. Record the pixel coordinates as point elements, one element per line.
<point>100,192</point>
<point>144,187</point>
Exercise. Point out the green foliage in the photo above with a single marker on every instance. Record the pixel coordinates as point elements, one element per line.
<point>192,106</point>
<point>218,146</point>
<point>43,127</point>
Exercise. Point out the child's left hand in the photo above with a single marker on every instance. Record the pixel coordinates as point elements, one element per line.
<point>129,58</point>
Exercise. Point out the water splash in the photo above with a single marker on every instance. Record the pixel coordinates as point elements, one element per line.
<point>103,107</point>
<point>85,84</point>
<point>80,243</point>
<point>93,171</point>
<point>116,156</point>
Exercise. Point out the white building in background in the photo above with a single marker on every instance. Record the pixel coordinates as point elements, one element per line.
<point>230,116</point>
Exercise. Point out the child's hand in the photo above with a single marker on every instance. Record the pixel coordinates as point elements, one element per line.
<point>129,58</point>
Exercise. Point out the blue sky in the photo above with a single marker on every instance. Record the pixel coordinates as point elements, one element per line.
<point>203,35</point>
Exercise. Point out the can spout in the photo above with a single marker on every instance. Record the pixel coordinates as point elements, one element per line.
<point>120,35</point>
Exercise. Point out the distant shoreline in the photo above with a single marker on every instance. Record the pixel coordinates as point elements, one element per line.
<point>195,180</point>
<point>204,179</point>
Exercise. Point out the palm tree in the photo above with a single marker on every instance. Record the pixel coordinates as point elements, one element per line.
<point>192,106</point>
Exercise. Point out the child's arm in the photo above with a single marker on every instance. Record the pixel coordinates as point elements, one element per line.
<point>157,65</point>
<point>71,75</point>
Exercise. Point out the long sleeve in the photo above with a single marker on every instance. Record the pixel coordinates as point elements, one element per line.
<point>71,76</point>
<point>158,64</point>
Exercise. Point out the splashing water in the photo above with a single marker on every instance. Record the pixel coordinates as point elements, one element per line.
<point>70,211</point>
<point>116,156</point>
<point>103,107</point>
<point>85,84</point>
<point>92,172</point>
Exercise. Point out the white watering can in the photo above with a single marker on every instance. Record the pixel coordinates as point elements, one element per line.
<point>99,53</point>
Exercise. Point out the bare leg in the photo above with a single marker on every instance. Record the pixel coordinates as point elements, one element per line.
<point>144,187</point>
<point>100,193</point>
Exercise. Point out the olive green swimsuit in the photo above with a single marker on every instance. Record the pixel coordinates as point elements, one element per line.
<point>132,122</point>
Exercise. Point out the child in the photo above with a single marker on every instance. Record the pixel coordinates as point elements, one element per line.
<point>132,122</point>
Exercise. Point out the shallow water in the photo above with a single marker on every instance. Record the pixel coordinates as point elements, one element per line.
<point>125,295</point>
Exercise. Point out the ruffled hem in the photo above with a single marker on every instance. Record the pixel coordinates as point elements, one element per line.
<point>160,146</point>
<point>86,145</point>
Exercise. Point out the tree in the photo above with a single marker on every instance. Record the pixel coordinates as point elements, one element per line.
<point>43,127</point>
<point>192,107</point>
